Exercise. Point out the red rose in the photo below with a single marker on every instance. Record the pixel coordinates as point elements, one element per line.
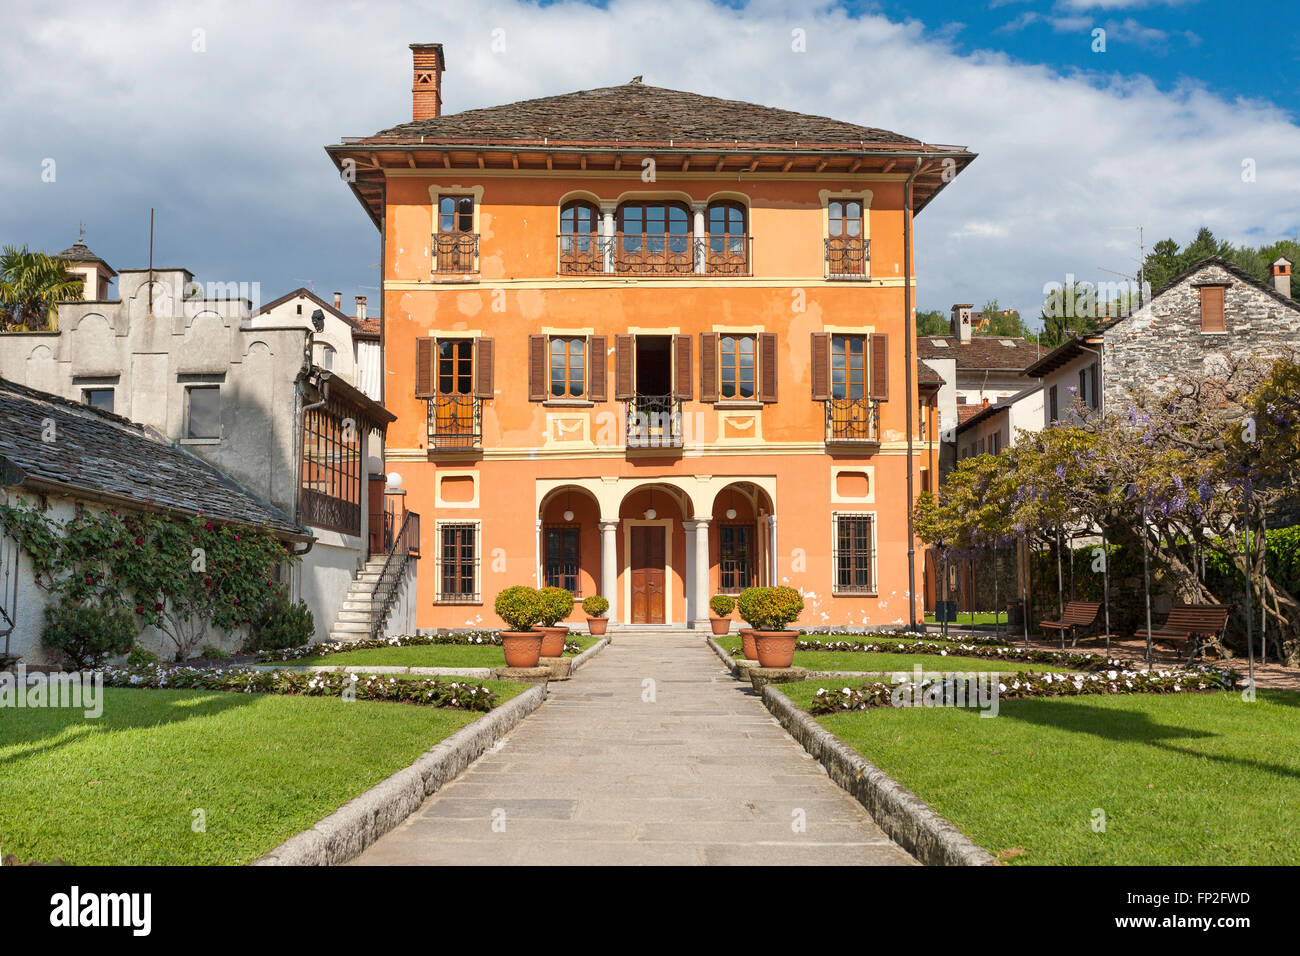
<point>90,579</point>
<point>208,526</point>
<point>207,582</point>
<point>157,607</point>
<point>139,541</point>
<point>139,609</point>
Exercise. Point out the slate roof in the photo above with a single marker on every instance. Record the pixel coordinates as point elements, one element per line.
<point>981,352</point>
<point>926,375</point>
<point>80,252</point>
<point>635,112</point>
<point>104,456</point>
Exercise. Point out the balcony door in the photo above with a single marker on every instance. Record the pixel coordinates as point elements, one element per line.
<point>647,570</point>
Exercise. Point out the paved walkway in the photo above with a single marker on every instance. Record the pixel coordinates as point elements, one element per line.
<point>699,774</point>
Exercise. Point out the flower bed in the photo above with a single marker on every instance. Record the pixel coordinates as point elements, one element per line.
<point>429,692</point>
<point>461,639</point>
<point>1030,684</point>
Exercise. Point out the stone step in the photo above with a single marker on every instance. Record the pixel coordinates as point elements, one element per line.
<point>356,627</point>
<point>352,617</point>
<point>348,637</point>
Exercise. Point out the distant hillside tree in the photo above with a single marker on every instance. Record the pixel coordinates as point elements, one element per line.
<point>933,322</point>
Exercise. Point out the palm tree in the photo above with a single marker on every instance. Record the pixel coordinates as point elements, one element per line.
<point>30,285</point>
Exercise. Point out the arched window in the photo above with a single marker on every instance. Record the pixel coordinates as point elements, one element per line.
<point>654,238</point>
<point>846,248</point>
<point>455,244</point>
<point>728,239</point>
<point>325,356</point>
<point>580,247</point>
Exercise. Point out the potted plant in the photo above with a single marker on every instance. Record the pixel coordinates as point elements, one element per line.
<point>746,604</point>
<point>520,607</point>
<point>595,607</point>
<point>721,605</point>
<point>557,604</point>
<point>772,612</point>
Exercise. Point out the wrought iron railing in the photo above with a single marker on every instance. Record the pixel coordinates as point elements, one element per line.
<point>401,550</point>
<point>654,255</point>
<point>848,257</point>
<point>455,421</point>
<point>853,420</point>
<point>654,421</point>
<point>455,253</point>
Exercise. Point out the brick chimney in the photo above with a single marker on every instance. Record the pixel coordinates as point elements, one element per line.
<point>338,299</point>
<point>361,308</point>
<point>426,82</point>
<point>1281,273</point>
<point>961,322</point>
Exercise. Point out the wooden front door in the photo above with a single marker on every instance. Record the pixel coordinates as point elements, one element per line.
<point>647,571</point>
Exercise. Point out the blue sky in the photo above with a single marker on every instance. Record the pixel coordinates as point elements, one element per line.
<point>1076,147</point>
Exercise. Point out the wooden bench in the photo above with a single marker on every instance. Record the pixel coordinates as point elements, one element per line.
<point>1077,614</point>
<point>1191,625</point>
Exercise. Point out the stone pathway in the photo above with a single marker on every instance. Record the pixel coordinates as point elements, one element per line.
<point>699,773</point>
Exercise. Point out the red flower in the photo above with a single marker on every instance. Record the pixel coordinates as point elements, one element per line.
<point>139,609</point>
<point>139,542</point>
<point>207,582</point>
<point>157,607</point>
<point>208,526</point>
<point>90,579</point>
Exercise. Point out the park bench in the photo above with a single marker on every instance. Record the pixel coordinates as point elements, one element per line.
<point>1077,614</point>
<point>1191,625</point>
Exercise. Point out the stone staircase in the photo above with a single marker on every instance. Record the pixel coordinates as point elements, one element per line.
<point>353,621</point>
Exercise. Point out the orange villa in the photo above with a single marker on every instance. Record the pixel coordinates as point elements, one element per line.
<point>652,345</point>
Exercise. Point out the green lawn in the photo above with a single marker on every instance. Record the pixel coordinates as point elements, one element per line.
<point>122,789</point>
<point>426,655</point>
<point>1183,779</point>
<point>964,618</point>
<point>856,661</point>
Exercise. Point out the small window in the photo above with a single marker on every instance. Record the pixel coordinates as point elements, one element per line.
<point>568,367</point>
<point>1212,309</point>
<point>299,308</point>
<point>855,545</point>
<point>458,563</point>
<point>456,214</point>
<point>100,398</point>
<point>736,557</point>
<point>1053,410</point>
<point>324,356</point>
<point>562,558</point>
<point>736,366</point>
<point>203,411</point>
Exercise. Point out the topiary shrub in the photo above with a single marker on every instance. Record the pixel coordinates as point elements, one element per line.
<point>519,606</point>
<point>282,627</point>
<point>87,635</point>
<point>770,609</point>
<point>722,605</point>
<point>595,606</point>
<point>556,603</point>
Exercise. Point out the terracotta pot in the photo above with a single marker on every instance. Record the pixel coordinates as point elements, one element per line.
<point>775,648</point>
<point>553,642</point>
<point>597,625</point>
<point>523,648</point>
<point>747,643</point>
<point>720,625</point>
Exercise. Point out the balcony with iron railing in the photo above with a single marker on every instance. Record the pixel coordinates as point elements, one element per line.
<point>654,256</point>
<point>853,421</point>
<point>455,421</point>
<point>654,421</point>
<point>455,253</point>
<point>848,257</point>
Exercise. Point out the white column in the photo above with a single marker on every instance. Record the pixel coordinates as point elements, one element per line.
<point>537,555</point>
<point>607,229</point>
<point>688,578</point>
<point>698,209</point>
<point>775,579</point>
<point>609,566</point>
<point>701,569</point>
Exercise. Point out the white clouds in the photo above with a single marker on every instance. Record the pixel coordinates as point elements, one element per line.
<point>227,143</point>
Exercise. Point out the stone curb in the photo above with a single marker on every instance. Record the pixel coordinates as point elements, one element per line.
<point>906,818</point>
<point>480,673</point>
<point>587,655</point>
<point>727,659</point>
<point>361,821</point>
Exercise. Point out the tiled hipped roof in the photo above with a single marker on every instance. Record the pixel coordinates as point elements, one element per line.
<point>635,112</point>
<point>980,352</point>
<point>105,456</point>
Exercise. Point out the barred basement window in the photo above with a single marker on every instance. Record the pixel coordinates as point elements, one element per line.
<point>735,559</point>
<point>855,552</point>
<point>458,562</point>
<point>561,556</point>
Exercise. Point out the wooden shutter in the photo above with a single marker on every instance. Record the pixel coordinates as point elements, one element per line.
<point>683,368</point>
<point>424,367</point>
<point>767,367</point>
<point>821,366</point>
<point>484,352</point>
<point>1212,319</point>
<point>624,367</point>
<point>708,366</point>
<point>880,366</point>
<point>537,368</point>
<point>597,361</point>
